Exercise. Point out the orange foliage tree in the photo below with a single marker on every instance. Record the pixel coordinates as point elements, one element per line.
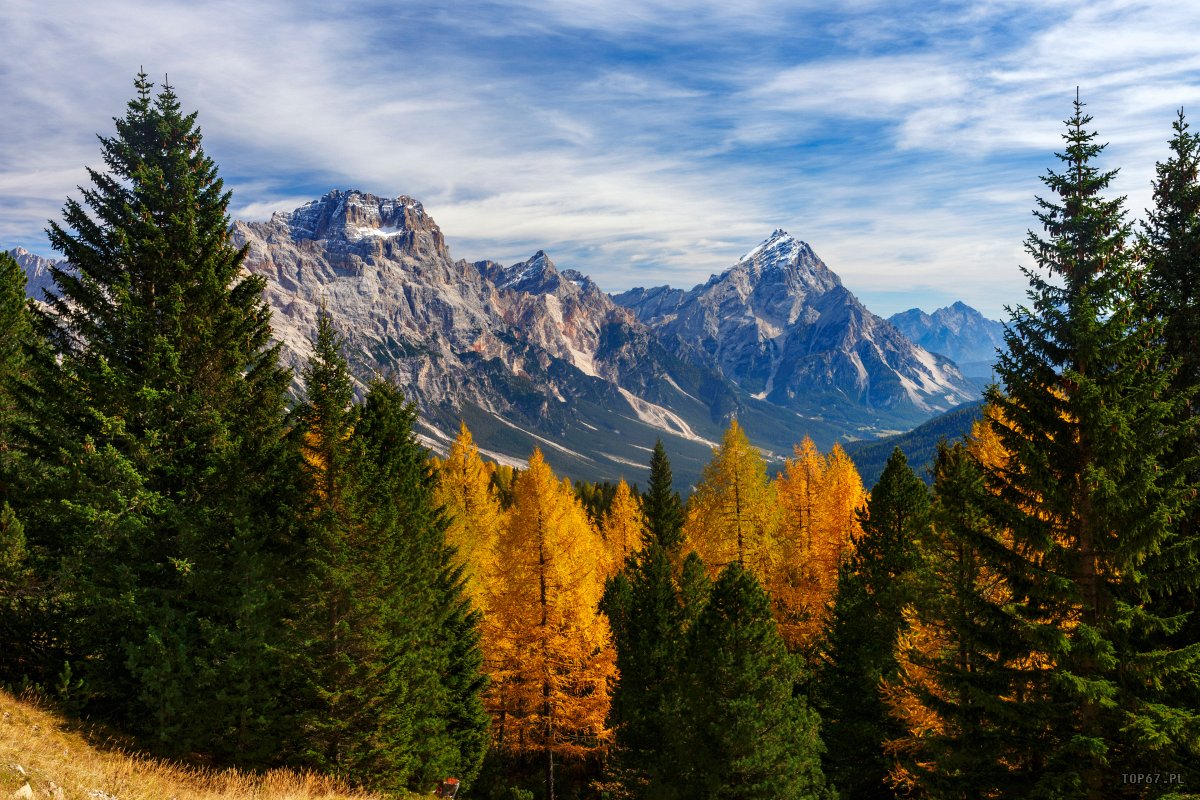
<point>465,489</point>
<point>622,526</point>
<point>548,649</point>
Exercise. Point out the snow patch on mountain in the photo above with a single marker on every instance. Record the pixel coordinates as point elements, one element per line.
<point>626,461</point>
<point>658,417</point>
<point>549,443</point>
<point>678,388</point>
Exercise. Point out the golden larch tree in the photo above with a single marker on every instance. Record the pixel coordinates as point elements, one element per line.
<point>466,490</point>
<point>731,517</point>
<point>622,526</point>
<point>818,497</point>
<point>549,651</point>
<point>843,496</point>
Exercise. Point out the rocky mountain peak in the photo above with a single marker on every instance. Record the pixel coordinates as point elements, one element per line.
<point>779,248</point>
<point>347,219</point>
<point>957,331</point>
<point>783,259</point>
<point>535,275</point>
<point>780,324</point>
<point>37,271</point>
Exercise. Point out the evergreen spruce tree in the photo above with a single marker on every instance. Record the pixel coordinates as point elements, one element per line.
<point>955,650</point>
<point>16,322</point>
<point>326,621</point>
<point>162,495</point>
<point>436,657</point>
<point>19,620</point>
<point>694,588</point>
<point>743,732</point>
<point>646,617</point>
<point>1087,503</point>
<point>390,650</point>
<point>661,504</point>
<point>866,619</point>
<point>1169,246</point>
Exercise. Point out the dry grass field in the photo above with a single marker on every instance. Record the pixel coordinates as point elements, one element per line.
<point>41,751</point>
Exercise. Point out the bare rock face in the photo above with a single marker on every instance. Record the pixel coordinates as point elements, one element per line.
<point>382,269</point>
<point>780,324</point>
<point>529,355</point>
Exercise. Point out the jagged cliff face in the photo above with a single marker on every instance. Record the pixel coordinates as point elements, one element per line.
<point>781,325</point>
<point>525,354</point>
<point>37,271</point>
<point>382,269</point>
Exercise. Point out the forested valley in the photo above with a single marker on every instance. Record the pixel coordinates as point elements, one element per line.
<point>237,576</point>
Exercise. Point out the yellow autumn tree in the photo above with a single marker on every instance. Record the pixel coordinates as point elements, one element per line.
<point>818,497</point>
<point>731,517</point>
<point>466,491</point>
<point>622,526</point>
<point>984,443</point>
<point>548,649</point>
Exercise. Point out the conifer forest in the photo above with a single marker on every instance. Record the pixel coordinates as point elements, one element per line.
<point>233,572</point>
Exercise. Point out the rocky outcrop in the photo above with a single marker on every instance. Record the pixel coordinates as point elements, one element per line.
<point>37,271</point>
<point>529,355</point>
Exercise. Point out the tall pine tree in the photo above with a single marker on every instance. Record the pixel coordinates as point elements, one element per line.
<point>1169,246</point>
<point>866,619</point>
<point>661,504</point>
<point>955,650</point>
<point>16,320</point>
<point>1087,418</point>
<point>390,649</point>
<point>19,620</point>
<point>646,616</point>
<point>742,731</point>
<point>165,471</point>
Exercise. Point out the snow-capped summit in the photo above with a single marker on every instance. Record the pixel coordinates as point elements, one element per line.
<point>778,251</point>
<point>780,324</point>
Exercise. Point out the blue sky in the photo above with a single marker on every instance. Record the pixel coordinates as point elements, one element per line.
<point>642,142</point>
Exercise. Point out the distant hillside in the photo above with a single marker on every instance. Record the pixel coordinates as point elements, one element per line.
<point>45,753</point>
<point>919,445</point>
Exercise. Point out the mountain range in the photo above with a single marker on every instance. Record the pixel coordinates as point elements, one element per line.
<point>530,355</point>
<point>957,331</point>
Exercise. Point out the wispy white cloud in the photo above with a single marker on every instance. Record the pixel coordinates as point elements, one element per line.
<point>643,141</point>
